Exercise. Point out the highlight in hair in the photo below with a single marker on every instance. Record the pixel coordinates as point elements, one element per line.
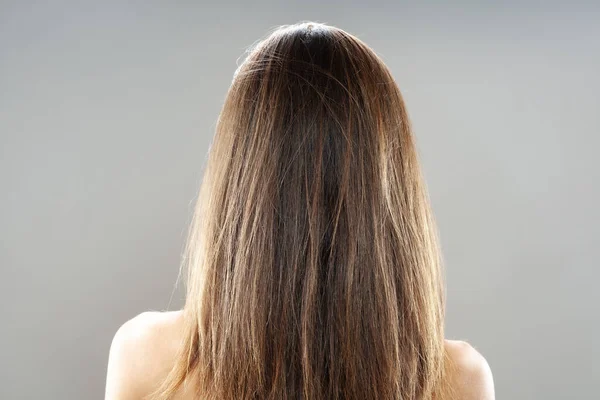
<point>312,258</point>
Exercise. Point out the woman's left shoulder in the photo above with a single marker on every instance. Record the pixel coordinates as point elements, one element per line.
<point>142,352</point>
<point>468,372</point>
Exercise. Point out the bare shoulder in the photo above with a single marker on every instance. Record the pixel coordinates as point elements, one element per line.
<point>142,353</point>
<point>468,372</point>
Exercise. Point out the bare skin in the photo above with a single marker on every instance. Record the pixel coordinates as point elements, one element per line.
<point>144,349</point>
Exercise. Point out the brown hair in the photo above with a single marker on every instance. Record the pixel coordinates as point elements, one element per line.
<point>314,270</point>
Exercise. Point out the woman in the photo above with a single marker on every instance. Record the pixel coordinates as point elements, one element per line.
<point>313,264</point>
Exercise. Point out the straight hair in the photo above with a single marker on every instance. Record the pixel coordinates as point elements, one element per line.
<point>312,256</point>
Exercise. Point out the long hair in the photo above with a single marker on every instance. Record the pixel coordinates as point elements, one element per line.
<point>312,257</point>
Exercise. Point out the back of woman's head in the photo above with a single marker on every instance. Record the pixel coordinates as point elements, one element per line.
<point>313,265</point>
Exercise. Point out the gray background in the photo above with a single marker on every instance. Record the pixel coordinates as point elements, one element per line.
<point>107,110</point>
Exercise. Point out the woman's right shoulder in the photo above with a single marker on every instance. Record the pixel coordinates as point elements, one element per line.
<point>468,374</point>
<point>142,352</point>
